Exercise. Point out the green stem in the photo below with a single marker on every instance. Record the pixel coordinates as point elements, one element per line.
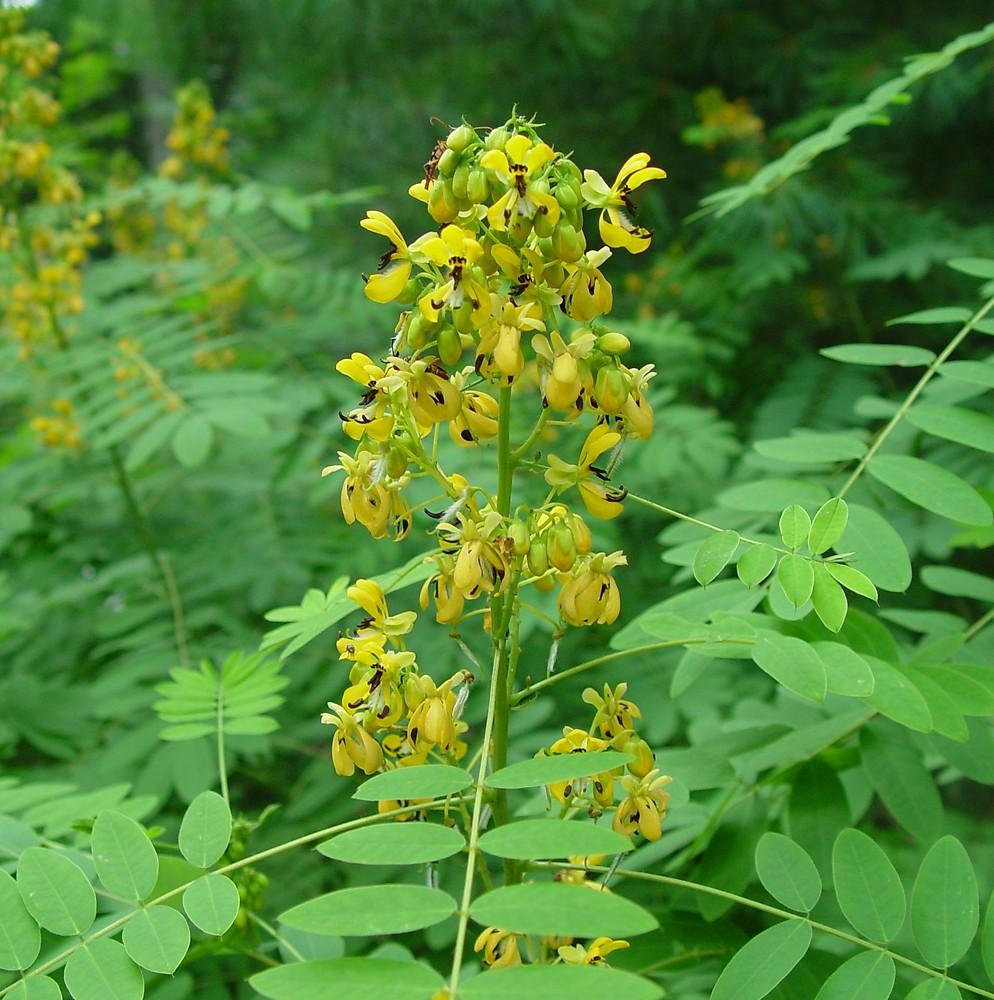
<point>772,910</point>
<point>472,847</point>
<point>929,373</point>
<point>157,559</point>
<point>527,692</point>
<point>222,768</point>
<point>59,960</point>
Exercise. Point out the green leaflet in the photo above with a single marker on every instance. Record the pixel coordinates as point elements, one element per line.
<point>125,859</point>
<point>372,909</point>
<point>762,963</point>
<point>205,830</point>
<point>945,910</point>
<point>355,978</point>
<point>787,872</point>
<point>212,903</point>
<point>868,888</point>
<point>552,838</point>
<point>394,844</point>
<point>55,892</point>
<point>868,975</point>
<point>424,781</point>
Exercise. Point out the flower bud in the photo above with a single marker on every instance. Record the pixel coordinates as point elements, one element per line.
<point>610,389</point>
<point>497,138</point>
<point>419,331</point>
<point>449,346</point>
<point>644,757</point>
<point>562,548</point>
<point>538,558</point>
<point>568,243</point>
<point>442,205</point>
<point>567,196</point>
<point>459,138</point>
<point>463,317</point>
<point>460,181</point>
<point>396,462</point>
<point>447,162</point>
<point>543,223</point>
<point>476,187</point>
<point>409,293</point>
<point>614,343</point>
<point>520,538</point>
<point>519,229</point>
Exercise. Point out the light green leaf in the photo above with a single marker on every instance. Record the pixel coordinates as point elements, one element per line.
<point>157,938</point>
<point>205,830</point>
<point>930,317</point>
<point>900,355</point>
<point>20,938</point>
<point>771,495</point>
<point>714,555</point>
<point>895,769</point>
<point>793,663</point>
<point>976,267</point>
<point>560,909</point>
<point>394,844</point>
<point>762,963</point>
<point>974,372</point>
<point>828,525</point>
<point>371,910</point>
<point>829,599</point>
<point>794,526</point>
<point>895,696</point>
<point>867,976</point>
<point>932,487</point>
<point>124,857</point>
<point>192,441</point>
<point>945,909</point>
<point>852,579</point>
<point>954,423</point>
<point>101,970</point>
<point>558,982</point>
<point>756,564</point>
<point>935,989</point>
<point>211,903</point>
<point>878,550</point>
<point>556,767</point>
<point>787,872</point>
<point>56,893</point>
<point>531,839</point>
<point>812,449</point>
<point>848,673</point>
<point>868,887</point>
<point>423,781</point>
<point>797,578</point>
<point>35,988</point>
<point>958,583</point>
<point>352,978</point>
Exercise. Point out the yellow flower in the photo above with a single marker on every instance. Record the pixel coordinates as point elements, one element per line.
<point>636,411</point>
<point>364,646</point>
<point>457,250</point>
<point>518,165</point>
<point>591,594</point>
<point>371,416</point>
<point>600,785</point>
<point>644,805</point>
<point>499,351</point>
<point>564,368</point>
<point>594,954</point>
<point>477,420</point>
<point>351,746</point>
<point>433,721</point>
<point>376,690</point>
<point>368,594</point>
<point>395,265</point>
<point>586,292</point>
<point>617,228</point>
<point>599,497</point>
<point>431,395</point>
<point>365,499</point>
<point>479,565</point>
<point>614,715</point>
<point>449,602</point>
<point>500,948</point>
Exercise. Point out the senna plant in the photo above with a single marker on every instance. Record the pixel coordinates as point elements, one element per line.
<point>587,856</point>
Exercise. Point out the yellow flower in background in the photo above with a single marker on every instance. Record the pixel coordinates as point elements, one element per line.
<point>617,228</point>
<point>614,716</point>
<point>644,806</point>
<point>499,352</point>
<point>599,497</point>
<point>500,948</point>
<point>517,166</point>
<point>593,954</point>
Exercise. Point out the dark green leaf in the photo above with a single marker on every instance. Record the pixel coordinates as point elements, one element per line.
<point>812,449</point>
<point>958,583</point>
<point>816,811</point>
<point>878,550</point>
<point>976,267</point>
<point>895,696</point>
<point>848,673</point>
<point>929,317</point>
<point>954,423</point>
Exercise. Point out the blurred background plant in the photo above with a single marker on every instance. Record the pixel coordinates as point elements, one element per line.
<point>181,190</point>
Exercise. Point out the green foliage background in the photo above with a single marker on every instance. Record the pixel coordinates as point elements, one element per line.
<point>159,545</point>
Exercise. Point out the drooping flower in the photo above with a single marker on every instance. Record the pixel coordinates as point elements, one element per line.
<point>644,805</point>
<point>368,594</point>
<point>591,595</point>
<point>351,746</point>
<point>365,499</point>
<point>395,265</point>
<point>499,352</point>
<point>617,227</point>
<point>599,497</point>
<point>500,948</point>
<point>586,293</point>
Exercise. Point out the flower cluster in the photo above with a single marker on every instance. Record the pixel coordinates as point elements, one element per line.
<point>391,711</point>
<point>642,808</point>
<point>503,295</point>
<point>44,233</point>
<point>501,949</point>
<point>197,142</point>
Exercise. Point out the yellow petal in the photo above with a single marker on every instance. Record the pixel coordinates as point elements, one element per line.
<point>538,156</point>
<point>599,440</point>
<point>517,147</point>
<point>383,225</point>
<point>494,159</point>
<point>640,177</point>
<point>387,284</point>
<point>420,191</point>
<point>634,162</point>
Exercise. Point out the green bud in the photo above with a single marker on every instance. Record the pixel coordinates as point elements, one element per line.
<point>449,346</point>
<point>572,170</point>
<point>460,181</point>
<point>520,537</point>
<point>497,138</point>
<point>568,243</point>
<point>463,317</point>
<point>538,558</point>
<point>614,343</point>
<point>562,548</point>
<point>543,223</point>
<point>447,162</point>
<point>567,197</point>
<point>419,331</point>
<point>442,205</point>
<point>410,292</point>
<point>610,389</point>
<point>519,229</point>
<point>477,188</point>
<point>459,138</point>
<point>396,463</point>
